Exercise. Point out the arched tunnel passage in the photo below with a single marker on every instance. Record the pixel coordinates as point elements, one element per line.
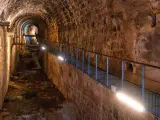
<point>31,95</point>
<point>93,51</point>
<point>30,25</point>
<point>24,26</point>
<point>30,33</point>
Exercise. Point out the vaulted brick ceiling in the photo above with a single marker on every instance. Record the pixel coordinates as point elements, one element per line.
<point>70,11</point>
<point>59,9</point>
<point>97,20</point>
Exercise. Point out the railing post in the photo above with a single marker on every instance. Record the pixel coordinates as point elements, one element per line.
<point>88,63</point>
<point>122,83</point>
<point>107,82</point>
<point>82,60</point>
<point>71,55</point>
<point>143,84</point>
<point>64,52</point>
<point>60,48</point>
<point>156,102</point>
<point>76,57</point>
<point>96,66</point>
<point>68,58</point>
<point>53,50</point>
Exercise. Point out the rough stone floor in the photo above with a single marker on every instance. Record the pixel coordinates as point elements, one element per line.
<point>31,96</point>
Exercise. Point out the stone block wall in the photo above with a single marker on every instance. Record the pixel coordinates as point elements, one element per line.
<point>118,28</point>
<point>5,49</point>
<point>93,100</point>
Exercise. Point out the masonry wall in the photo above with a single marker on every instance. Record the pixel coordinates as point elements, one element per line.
<point>121,28</point>
<point>15,51</point>
<point>4,62</point>
<point>93,100</point>
<point>118,28</point>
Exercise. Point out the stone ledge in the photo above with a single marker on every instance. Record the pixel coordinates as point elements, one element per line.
<point>99,103</point>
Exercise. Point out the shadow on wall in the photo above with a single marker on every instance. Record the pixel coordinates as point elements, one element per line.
<point>147,46</point>
<point>148,49</point>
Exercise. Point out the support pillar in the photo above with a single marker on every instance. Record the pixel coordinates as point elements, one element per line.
<point>4,60</point>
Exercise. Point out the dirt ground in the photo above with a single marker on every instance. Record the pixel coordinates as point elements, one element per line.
<point>32,96</point>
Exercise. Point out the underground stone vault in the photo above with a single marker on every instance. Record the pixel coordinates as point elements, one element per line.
<point>89,49</point>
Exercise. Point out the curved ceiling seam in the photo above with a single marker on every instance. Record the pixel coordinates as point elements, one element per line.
<point>23,17</point>
<point>19,23</point>
<point>56,12</point>
<point>29,22</point>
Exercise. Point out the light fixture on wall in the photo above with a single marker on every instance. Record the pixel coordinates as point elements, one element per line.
<point>43,48</point>
<point>61,58</point>
<point>130,101</point>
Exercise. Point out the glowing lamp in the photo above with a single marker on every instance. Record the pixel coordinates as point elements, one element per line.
<point>61,58</point>
<point>43,48</point>
<point>130,102</point>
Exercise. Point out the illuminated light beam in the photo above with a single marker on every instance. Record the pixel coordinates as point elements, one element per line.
<point>129,101</point>
<point>61,58</point>
<point>43,48</point>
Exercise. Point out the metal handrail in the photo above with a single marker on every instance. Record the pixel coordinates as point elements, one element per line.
<point>140,63</point>
<point>141,89</point>
<point>113,58</point>
<point>58,48</point>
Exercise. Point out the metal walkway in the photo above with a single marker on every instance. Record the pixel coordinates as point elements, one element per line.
<point>150,99</point>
